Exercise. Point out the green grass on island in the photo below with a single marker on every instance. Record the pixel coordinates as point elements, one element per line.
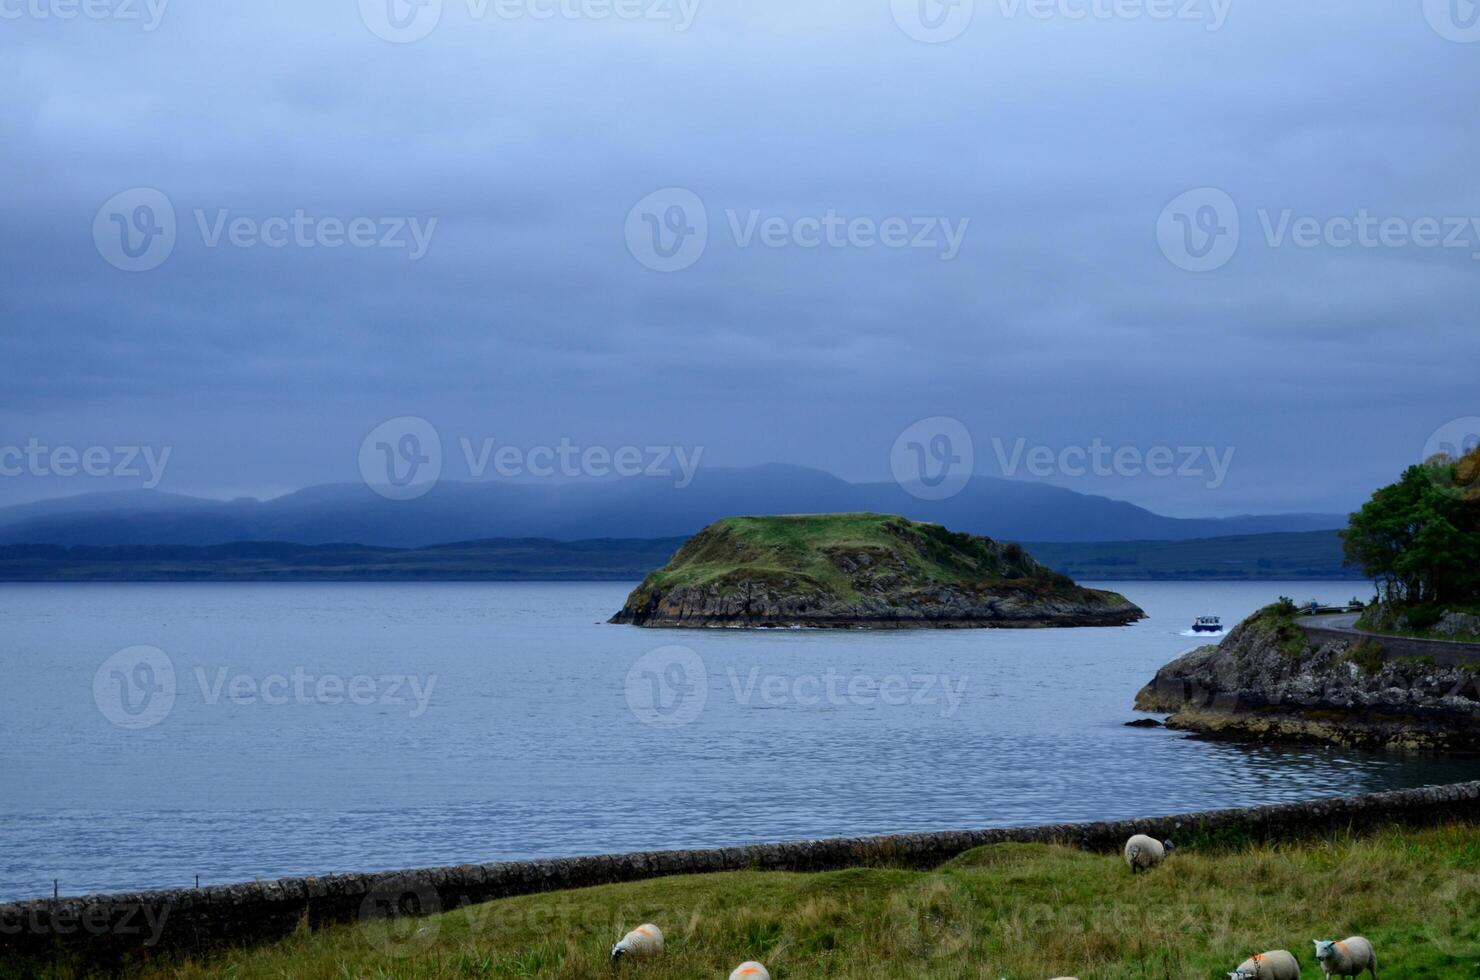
<point>1023,912</point>
<point>812,547</point>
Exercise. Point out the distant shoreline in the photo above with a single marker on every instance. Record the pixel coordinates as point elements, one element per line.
<point>1311,555</point>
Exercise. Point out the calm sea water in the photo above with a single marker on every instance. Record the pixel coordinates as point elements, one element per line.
<point>310,729</point>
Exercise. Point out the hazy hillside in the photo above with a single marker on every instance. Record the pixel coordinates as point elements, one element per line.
<point>1315,555</point>
<point>638,508</point>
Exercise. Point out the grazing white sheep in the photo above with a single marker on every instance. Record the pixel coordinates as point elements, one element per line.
<point>1143,853</point>
<point>645,940</point>
<point>1349,957</point>
<point>1277,964</point>
<point>750,970</point>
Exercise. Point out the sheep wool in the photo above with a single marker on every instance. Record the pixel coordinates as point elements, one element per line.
<point>645,940</point>
<point>1277,964</point>
<point>1143,853</point>
<point>750,970</point>
<point>1348,957</point>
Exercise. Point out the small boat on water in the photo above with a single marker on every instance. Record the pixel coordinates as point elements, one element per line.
<point>1207,624</point>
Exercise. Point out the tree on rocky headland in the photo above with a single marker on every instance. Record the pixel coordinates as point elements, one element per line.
<point>1419,538</point>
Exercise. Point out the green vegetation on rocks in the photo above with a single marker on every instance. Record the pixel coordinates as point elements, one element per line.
<point>860,570</point>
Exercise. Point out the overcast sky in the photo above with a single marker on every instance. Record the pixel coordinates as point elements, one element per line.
<point>1011,248</point>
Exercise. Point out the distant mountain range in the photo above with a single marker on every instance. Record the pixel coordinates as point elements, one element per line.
<point>1010,510</point>
<point>1311,555</point>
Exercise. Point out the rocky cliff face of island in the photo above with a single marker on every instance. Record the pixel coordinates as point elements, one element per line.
<point>860,571</point>
<point>1267,681</point>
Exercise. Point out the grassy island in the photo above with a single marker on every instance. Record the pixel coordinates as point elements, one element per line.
<point>860,570</point>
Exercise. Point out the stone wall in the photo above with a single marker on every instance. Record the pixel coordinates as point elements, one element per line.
<point>109,929</point>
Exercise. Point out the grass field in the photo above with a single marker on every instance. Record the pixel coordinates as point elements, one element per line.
<point>809,547</point>
<point>1014,911</point>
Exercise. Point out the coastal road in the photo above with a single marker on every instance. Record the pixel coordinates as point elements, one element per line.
<point>1334,622</point>
<point>1343,626</point>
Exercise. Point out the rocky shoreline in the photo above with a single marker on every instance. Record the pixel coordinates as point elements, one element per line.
<point>1268,681</point>
<point>748,605</point>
